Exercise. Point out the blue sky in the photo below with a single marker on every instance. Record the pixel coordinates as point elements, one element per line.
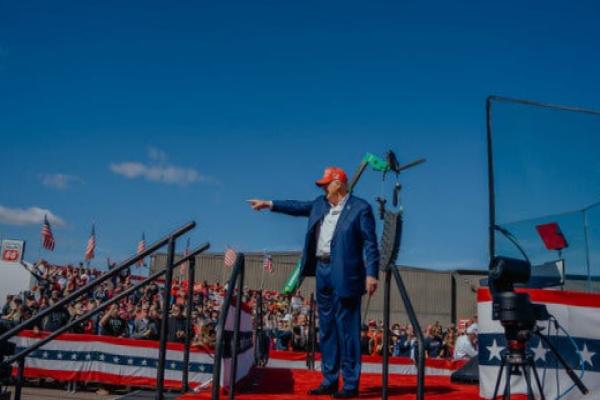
<point>143,116</point>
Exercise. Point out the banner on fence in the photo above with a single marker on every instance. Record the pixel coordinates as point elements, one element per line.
<point>370,364</point>
<point>246,346</point>
<point>111,360</point>
<point>577,312</point>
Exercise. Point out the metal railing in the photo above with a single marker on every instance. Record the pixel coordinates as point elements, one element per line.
<point>237,276</point>
<point>170,240</point>
<point>311,346</point>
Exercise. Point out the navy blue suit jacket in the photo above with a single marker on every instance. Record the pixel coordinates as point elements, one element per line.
<point>354,251</point>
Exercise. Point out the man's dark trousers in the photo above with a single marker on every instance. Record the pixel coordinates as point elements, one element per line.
<point>339,332</point>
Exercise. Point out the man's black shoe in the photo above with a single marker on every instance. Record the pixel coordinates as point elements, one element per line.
<point>323,390</point>
<point>346,394</point>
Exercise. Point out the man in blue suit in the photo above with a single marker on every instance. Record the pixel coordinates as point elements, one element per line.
<point>340,249</point>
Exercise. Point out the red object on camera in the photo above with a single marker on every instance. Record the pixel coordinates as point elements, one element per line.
<point>552,236</point>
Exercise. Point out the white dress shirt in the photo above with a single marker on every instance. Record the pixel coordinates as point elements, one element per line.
<point>463,348</point>
<point>328,227</point>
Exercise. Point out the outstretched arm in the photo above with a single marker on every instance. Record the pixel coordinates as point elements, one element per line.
<point>289,207</point>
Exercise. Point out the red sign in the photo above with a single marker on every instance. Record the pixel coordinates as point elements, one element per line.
<point>12,251</point>
<point>552,236</point>
<point>10,255</point>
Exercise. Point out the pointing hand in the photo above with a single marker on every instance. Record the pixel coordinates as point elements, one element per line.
<point>259,204</point>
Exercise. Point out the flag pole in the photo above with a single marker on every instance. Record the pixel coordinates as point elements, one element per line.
<point>39,257</point>
<point>262,278</point>
<point>222,282</point>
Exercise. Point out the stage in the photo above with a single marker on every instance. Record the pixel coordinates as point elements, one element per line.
<point>293,384</point>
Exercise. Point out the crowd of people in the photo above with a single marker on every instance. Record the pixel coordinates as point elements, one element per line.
<point>285,317</point>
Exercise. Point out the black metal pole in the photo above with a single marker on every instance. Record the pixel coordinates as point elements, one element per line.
<point>386,332</point>
<point>313,329</point>
<point>309,333</point>
<point>216,384</point>
<point>580,385</point>
<point>164,323</point>
<point>100,308</point>
<point>236,334</point>
<point>453,300</point>
<point>259,312</point>
<point>544,105</point>
<point>491,192</point>
<point>83,290</point>
<point>312,336</point>
<point>188,325</point>
<point>357,174</point>
<point>259,330</point>
<point>420,357</point>
<point>19,382</point>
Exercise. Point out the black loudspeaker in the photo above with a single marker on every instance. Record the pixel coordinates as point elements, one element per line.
<point>469,373</point>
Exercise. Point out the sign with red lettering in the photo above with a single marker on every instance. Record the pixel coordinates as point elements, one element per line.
<point>12,251</point>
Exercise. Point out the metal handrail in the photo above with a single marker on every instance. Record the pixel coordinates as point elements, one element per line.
<point>79,292</point>
<point>312,335</point>
<point>191,278</point>
<point>236,275</point>
<point>102,306</point>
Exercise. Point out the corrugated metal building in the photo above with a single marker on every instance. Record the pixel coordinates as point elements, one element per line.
<point>443,296</point>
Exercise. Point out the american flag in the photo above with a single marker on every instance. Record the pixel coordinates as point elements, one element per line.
<point>268,263</point>
<point>47,236</point>
<point>230,257</point>
<point>140,248</point>
<point>91,245</point>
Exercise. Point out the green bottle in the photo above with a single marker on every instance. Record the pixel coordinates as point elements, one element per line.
<point>293,282</point>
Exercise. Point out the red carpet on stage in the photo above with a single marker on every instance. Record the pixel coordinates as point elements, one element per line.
<point>287,384</point>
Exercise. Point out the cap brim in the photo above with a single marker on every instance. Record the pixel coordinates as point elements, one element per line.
<point>323,182</point>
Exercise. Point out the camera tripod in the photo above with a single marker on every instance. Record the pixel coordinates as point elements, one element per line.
<point>519,361</point>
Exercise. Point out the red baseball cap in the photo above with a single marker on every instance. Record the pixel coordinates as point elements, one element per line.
<point>331,174</point>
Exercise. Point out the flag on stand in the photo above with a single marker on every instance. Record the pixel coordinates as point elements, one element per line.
<point>47,236</point>
<point>268,263</point>
<point>230,257</point>
<point>140,248</point>
<point>91,245</point>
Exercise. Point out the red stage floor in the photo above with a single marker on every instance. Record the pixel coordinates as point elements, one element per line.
<point>286,384</point>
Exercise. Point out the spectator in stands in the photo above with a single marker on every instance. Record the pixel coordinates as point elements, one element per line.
<point>113,323</point>
<point>433,341</point>
<point>146,327</point>
<point>282,335</point>
<point>298,340</point>
<point>31,303</point>
<point>448,344</point>
<point>58,317</point>
<point>466,345</point>
<point>376,343</point>
<point>14,315</point>
<point>207,336</point>
<point>401,345</point>
<point>6,309</point>
<point>85,326</point>
<point>296,301</point>
<point>176,324</point>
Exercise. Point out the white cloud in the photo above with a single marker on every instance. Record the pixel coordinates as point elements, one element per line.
<point>27,216</point>
<point>58,181</point>
<point>169,174</point>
